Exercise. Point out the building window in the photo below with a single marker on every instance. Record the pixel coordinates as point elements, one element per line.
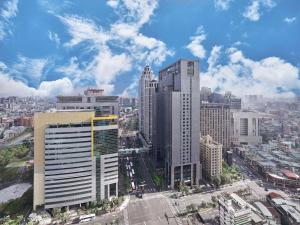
<point>113,189</point>
<point>106,191</point>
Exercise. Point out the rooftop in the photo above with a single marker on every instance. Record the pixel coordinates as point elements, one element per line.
<point>295,214</point>
<point>263,209</point>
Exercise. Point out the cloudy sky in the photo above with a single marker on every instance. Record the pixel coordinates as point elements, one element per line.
<point>50,47</point>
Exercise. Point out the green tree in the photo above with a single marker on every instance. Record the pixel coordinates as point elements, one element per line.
<point>203,204</point>
<point>11,221</point>
<point>56,212</point>
<point>157,181</point>
<point>191,208</point>
<point>64,217</point>
<point>183,188</point>
<point>198,189</point>
<point>216,181</point>
<point>225,179</point>
<point>214,199</point>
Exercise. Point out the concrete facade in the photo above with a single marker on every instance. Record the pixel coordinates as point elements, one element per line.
<point>233,210</point>
<point>211,157</point>
<point>147,86</point>
<point>215,122</point>
<point>66,155</point>
<point>245,128</point>
<point>92,99</point>
<point>176,127</point>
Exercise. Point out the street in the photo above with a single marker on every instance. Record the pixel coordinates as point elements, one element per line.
<point>257,192</point>
<point>149,185</point>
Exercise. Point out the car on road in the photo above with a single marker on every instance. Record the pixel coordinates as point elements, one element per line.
<point>266,189</point>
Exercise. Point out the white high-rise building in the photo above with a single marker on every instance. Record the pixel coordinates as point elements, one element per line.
<point>147,86</point>
<point>245,128</point>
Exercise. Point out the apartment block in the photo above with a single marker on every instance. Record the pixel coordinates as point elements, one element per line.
<point>215,122</point>
<point>210,157</point>
<point>75,158</point>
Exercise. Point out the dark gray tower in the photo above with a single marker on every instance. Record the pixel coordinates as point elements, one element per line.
<point>176,127</point>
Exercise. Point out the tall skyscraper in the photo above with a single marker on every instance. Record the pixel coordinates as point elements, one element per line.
<point>215,121</point>
<point>176,122</point>
<point>211,157</point>
<point>91,99</point>
<point>147,86</point>
<point>76,158</point>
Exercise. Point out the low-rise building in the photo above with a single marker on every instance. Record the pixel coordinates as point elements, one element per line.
<point>233,210</point>
<point>289,211</point>
<point>93,99</point>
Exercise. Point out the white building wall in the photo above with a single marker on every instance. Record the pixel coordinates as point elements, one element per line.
<point>245,128</point>
<point>146,89</point>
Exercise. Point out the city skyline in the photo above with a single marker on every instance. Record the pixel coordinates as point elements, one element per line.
<point>106,45</point>
<point>167,112</point>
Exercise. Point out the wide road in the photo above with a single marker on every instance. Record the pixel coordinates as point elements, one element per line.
<point>159,208</point>
<point>152,209</point>
<point>149,185</point>
<point>257,192</point>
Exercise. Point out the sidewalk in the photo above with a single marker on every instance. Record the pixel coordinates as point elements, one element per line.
<point>124,204</point>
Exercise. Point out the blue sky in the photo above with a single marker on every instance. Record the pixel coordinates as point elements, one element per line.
<point>50,47</point>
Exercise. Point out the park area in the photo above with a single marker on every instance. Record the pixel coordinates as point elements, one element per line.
<point>16,176</point>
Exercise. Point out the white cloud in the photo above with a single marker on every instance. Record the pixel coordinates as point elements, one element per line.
<point>214,56</point>
<point>222,4</point>
<point>63,86</point>
<point>30,68</point>
<point>106,67</point>
<point>13,87</point>
<point>111,51</point>
<point>137,11</point>
<point>54,38</point>
<point>253,11</point>
<point>55,6</point>
<point>195,46</point>
<point>9,10</point>
<point>74,72</point>
<point>124,34</point>
<point>243,76</point>
<point>290,20</point>
<point>83,30</point>
<point>112,3</point>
